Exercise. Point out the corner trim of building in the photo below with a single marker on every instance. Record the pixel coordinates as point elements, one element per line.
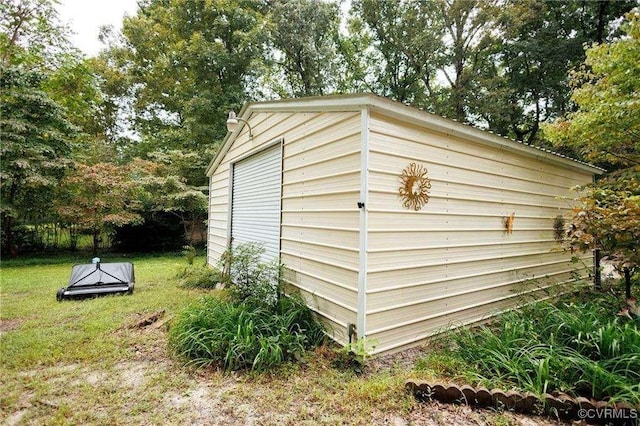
<point>363,204</point>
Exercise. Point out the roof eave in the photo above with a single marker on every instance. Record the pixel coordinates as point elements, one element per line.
<point>452,127</point>
<point>384,106</point>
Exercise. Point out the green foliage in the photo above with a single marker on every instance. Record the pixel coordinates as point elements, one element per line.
<point>607,216</point>
<point>606,125</point>
<point>577,347</point>
<point>605,128</point>
<point>35,147</point>
<point>256,328</point>
<point>238,336</point>
<point>394,48</point>
<point>98,198</point>
<point>173,182</point>
<point>186,64</point>
<point>539,42</point>
<point>204,277</point>
<point>252,281</point>
<point>353,356</point>
<point>304,33</point>
<point>190,254</point>
<point>31,36</point>
<point>503,65</point>
<point>74,84</point>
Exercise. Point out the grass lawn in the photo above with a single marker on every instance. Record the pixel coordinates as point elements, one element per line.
<point>85,362</point>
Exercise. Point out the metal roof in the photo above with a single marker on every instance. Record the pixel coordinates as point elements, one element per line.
<point>400,111</point>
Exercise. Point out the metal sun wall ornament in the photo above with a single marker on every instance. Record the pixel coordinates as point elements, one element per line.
<point>559,225</point>
<point>415,186</point>
<point>508,222</point>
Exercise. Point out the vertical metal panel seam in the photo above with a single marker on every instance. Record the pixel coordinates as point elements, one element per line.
<point>230,205</point>
<point>281,186</point>
<point>209,215</point>
<point>361,325</point>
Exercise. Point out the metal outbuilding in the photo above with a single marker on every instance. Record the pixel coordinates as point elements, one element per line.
<point>393,223</point>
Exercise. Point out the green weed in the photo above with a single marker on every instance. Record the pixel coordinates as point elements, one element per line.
<point>578,346</point>
<point>238,335</point>
<point>203,277</point>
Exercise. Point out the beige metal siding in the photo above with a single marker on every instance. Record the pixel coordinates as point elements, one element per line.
<point>319,220</point>
<point>452,262</point>
<point>320,228</point>
<point>412,273</point>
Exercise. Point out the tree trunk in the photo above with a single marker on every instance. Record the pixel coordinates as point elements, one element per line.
<point>96,240</point>
<point>602,8</point>
<point>8,221</point>
<point>8,232</point>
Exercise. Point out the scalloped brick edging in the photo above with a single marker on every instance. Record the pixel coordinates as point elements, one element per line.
<point>556,404</point>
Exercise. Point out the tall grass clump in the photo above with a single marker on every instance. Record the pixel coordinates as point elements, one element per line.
<point>203,277</point>
<point>579,347</point>
<point>256,328</point>
<point>237,336</point>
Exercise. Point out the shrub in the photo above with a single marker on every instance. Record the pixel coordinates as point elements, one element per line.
<point>256,328</point>
<point>204,277</point>
<point>238,335</point>
<point>579,347</point>
<point>159,232</point>
<point>25,240</point>
<point>252,281</point>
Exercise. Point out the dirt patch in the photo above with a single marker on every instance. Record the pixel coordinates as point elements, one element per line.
<point>94,378</point>
<point>437,414</point>
<point>15,418</point>
<point>9,325</point>
<point>134,374</point>
<point>142,321</point>
<point>202,404</point>
<point>404,360</point>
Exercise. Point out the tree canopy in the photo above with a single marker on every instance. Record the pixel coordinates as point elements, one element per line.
<point>34,150</point>
<point>153,103</point>
<point>605,127</point>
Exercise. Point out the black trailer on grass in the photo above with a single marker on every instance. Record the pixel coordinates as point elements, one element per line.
<point>98,279</point>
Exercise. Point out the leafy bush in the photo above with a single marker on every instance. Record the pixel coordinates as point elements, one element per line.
<point>25,240</point>
<point>579,347</point>
<point>256,328</point>
<point>204,277</point>
<point>238,335</point>
<point>160,232</point>
<point>252,281</point>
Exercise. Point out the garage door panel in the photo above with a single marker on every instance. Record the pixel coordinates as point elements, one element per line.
<point>256,201</point>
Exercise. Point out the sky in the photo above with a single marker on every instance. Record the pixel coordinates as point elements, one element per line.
<point>85,17</point>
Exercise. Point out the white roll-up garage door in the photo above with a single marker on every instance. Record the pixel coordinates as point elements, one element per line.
<point>255,208</point>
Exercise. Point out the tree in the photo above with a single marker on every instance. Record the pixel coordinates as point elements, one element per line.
<point>98,198</point>
<point>538,42</point>
<point>467,42</point>
<point>187,65</point>
<point>32,38</point>
<point>34,150</point>
<point>607,217</point>
<point>430,53</point>
<point>606,129</point>
<point>399,43</point>
<point>304,35</point>
<point>606,125</point>
<point>165,180</point>
<point>31,35</point>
